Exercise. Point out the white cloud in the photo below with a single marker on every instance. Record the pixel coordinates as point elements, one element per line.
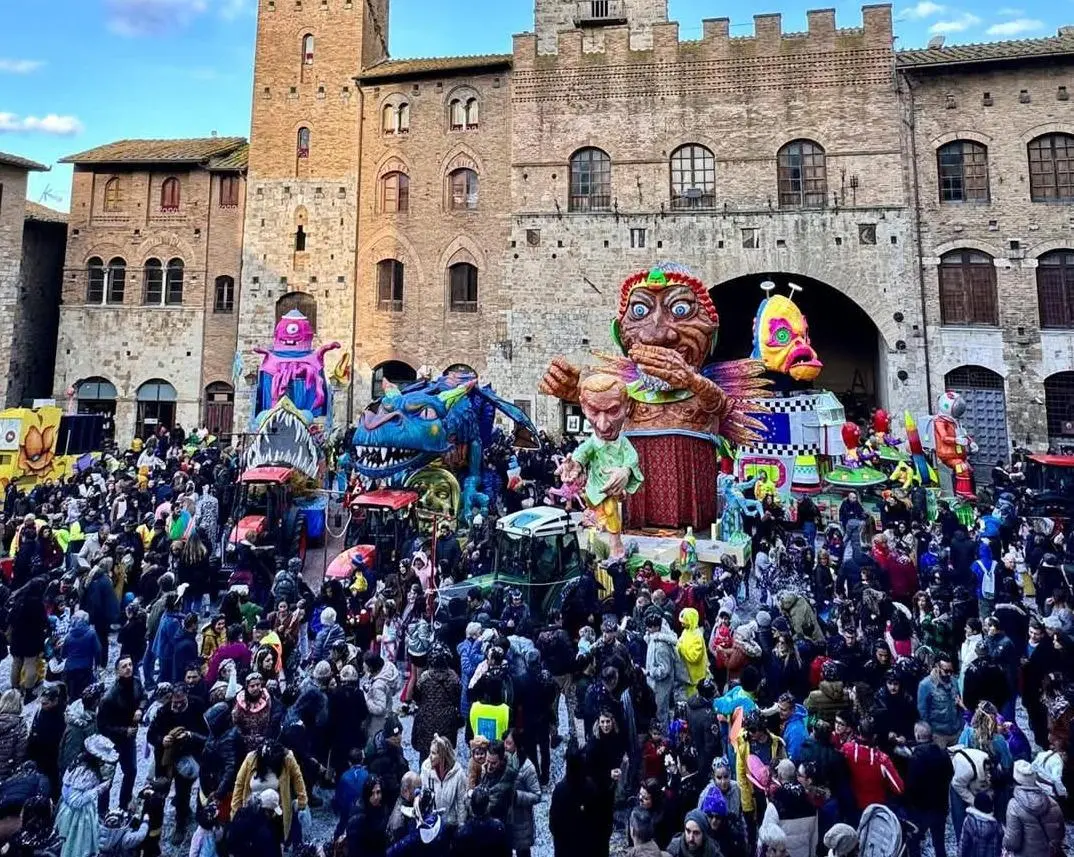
<point>61,126</point>
<point>921,9</point>
<point>10,66</point>
<point>958,24</point>
<point>1016,27</point>
<point>1010,12</point>
<point>134,18</point>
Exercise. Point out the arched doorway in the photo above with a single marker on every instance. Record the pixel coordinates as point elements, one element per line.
<point>985,419</point>
<point>219,408</point>
<point>304,303</point>
<point>1059,403</point>
<point>844,336</point>
<point>98,396</point>
<point>156,407</point>
<point>393,371</point>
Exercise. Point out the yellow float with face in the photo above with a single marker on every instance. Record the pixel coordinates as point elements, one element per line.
<point>438,492</point>
<point>781,337</point>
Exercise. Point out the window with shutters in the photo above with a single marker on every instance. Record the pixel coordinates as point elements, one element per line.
<point>113,196</point>
<point>963,171</point>
<point>1055,289</point>
<point>390,285</point>
<point>170,193</point>
<point>802,175</point>
<point>395,193</point>
<point>968,289</point>
<point>229,191</point>
<point>1051,168</point>
<point>462,278</point>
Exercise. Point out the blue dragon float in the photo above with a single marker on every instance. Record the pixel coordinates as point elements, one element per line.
<point>431,435</point>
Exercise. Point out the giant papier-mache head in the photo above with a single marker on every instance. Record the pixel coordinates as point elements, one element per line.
<point>950,404</point>
<point>294,334</point>
<point>781,337</point>
<point>669,307</point>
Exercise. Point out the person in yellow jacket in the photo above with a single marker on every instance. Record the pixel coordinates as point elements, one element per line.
<point>754,739</point>
<point>691,648</point>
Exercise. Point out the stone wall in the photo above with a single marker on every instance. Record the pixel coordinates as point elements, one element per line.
<point>742,99</point>
<point>552,17</point>
<point>431,236</point>
<point>1003,110</point>
<point>12,214</point>
<point>33,351</point>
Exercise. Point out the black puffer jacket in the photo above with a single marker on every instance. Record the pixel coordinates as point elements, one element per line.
<point>13,738</point>
<point>115,714</point>
<point>222,754</point>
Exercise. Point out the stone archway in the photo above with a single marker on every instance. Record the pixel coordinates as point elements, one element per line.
<point>844,336</point>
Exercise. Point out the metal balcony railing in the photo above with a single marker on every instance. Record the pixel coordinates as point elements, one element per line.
<point>597,12</point>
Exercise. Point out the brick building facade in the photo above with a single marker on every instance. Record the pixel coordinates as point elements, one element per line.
<point>147,326</point>
<point>483,210</point>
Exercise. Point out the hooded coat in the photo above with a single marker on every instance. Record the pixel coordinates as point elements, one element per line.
<point>80,725</point>
<point>379,690</point>
<point>982,835</point>
<point>827,701</point>
<point>222,754</point>
<point>449,793</point>
<point>437,696</point>
<point>1034,823</point>
<point>13,739</point>
<point>691,647</point>
<point>292,787</point>
<point>661,667</point>
<point>802,616</point>
<point>527,794</point>
<point>81,646</point>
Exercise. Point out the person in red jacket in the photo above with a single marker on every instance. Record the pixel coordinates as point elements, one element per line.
<point>872,774</point>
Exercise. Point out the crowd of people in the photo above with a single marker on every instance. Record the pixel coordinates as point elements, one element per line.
<point>699,713</point>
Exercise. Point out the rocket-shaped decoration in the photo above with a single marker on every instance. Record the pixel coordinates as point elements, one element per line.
<point>917,451</point>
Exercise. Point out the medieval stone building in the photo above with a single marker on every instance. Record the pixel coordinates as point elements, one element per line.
<point>482,210</point>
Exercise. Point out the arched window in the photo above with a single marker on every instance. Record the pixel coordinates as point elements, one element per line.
<point>117,280</point>
<point>394,372</point>
<point>156,407</point>
<point>968,288</point>
<point>390,285</point>
<point>402,118</point>
<point>802,175</point>
<point>472,114</point>
<point>590,181</point>
<point>395,193</point>
<point>98,396</point>
<point>463,184</point>
<point>693,177</point>
<point>303,143</point>
<point>1051,168</point>
<point>219,408</point>
<point>1055,289</point>
<point>96,277</point>
<point>300,239</point>
<point>963,171</point>
<point>307,49</point>
<point>170,194</point>
<point>174,292</point>
<point>113,195</point>
<point>457,110</point>
<point>462,278</point>
<point>1059,403</point>
<point>305,304</point>
<point>225,294</point>
<point>153,282</point>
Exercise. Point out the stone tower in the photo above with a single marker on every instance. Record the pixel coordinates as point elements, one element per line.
<point>305,150</point>
<point>552,17</point>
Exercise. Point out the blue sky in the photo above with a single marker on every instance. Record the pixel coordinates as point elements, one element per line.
<point>78,73</point>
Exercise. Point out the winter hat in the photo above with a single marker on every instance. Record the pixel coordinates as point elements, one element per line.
<point>1024,775</point>
<point>982,802</point>
<point>698,818</point>
<point>322,671</point>
<point>714,804</point>
<point>328,616</point>
<point>348,674</point>
<point>781,624</point>
<point>841,840</point>
<point>392,726</point>
<point>270,800</point>
<point>764,619</point>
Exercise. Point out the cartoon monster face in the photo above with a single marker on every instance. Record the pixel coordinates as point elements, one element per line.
<point>781,340</point>
<point>405,430</point>
<point>851,435</point>
<point>669,316</point>
<point>950,404</point>
<point>294,334</point>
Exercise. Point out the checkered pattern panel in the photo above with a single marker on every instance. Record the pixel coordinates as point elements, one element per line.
<point>781,449</point>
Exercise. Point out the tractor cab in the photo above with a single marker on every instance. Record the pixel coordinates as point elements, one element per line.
<point>384,520</point>
<point>1049,486</point>
<point>266,513</point>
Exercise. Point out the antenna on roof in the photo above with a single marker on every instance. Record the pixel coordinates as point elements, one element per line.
<point>48,196</point>
<point>936,42</point>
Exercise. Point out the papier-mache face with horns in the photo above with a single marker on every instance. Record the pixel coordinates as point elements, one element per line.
<point>781,337</point>
<point>668,307</point>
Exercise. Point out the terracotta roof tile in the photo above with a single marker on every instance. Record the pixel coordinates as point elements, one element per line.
<point>25,163</point>
<point>36,211</point>
<point>433,65</point>
<point>235,160</point>
<point>987,52</point>
<point>194,150</point>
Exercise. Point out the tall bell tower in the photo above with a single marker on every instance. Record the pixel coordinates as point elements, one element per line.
<point>305,149</point>
<point>553,17</point>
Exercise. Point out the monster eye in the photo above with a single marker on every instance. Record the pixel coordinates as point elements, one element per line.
<point>292,328</point>
<point>783,336</point>
<point>681,309</point>
<point>639,310</point>
<point>428,413</point>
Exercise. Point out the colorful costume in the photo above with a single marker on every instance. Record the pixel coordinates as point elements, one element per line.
<point>293,369</point>
<point>597,457</point>
<point>953,445</point>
